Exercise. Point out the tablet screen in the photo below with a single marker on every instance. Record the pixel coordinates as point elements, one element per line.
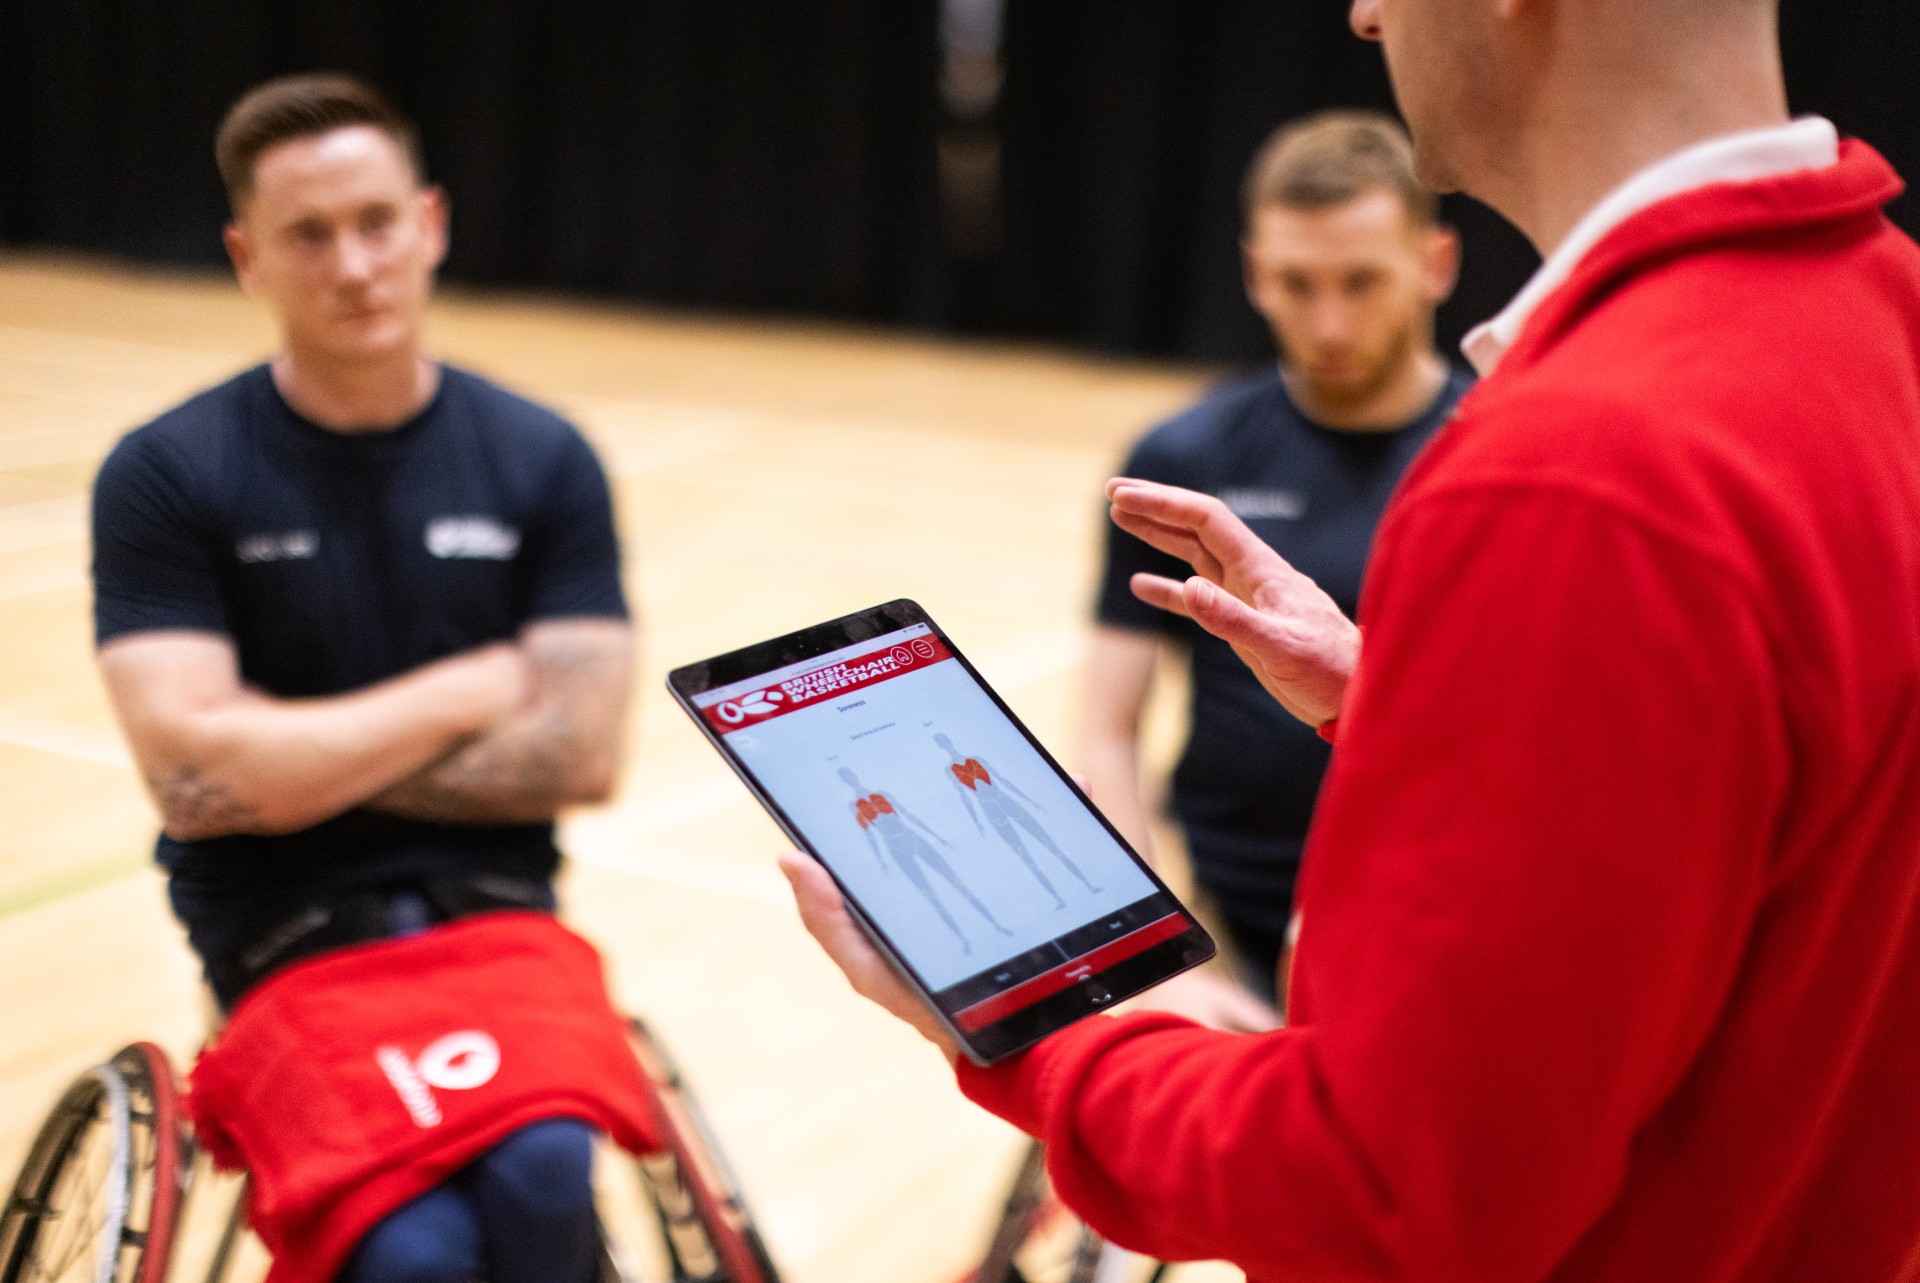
<point>961,843</point>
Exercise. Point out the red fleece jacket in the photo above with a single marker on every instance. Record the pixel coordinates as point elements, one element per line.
<point>348,1084</point>
<point>1612,949</point>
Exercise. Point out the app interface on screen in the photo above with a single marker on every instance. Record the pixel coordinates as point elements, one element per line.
<point>967,851</point>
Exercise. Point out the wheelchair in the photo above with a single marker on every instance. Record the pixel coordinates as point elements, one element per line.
<point>1038,1240</point>
<point>106,1183</point>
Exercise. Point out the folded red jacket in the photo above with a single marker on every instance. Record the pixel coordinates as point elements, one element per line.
<point>357,1080</point>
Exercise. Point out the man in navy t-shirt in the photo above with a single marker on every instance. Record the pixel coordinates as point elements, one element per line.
<point>1346,261</point>
<point>360,616</point>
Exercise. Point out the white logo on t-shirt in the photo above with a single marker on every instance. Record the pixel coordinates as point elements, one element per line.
<point>281,545</point>
<point>457,1062</point>
<point>473,538</point>
<point>1254,505</point>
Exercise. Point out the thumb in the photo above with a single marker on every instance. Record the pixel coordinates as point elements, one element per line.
<point>1226,616</point>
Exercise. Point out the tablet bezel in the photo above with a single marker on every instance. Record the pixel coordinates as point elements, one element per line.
<point>1083,996</point>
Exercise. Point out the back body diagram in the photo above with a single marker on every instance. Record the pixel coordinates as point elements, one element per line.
<point>878,813</point>
<point>984,791</point>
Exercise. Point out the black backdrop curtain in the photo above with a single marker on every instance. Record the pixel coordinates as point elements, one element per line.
<point>1127,127</point>
<point>718,153</point>
<point>780,155</point>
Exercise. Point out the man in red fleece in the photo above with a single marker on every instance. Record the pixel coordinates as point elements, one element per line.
<point>1612,903</point>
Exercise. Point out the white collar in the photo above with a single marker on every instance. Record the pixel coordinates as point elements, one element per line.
<point>1808,143</point>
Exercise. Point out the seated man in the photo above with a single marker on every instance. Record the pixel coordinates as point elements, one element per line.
<point>360,616</point>
<point>1345,260</point>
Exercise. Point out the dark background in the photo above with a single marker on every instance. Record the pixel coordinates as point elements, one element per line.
<point>780,156</point>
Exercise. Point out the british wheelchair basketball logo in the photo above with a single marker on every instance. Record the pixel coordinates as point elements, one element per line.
<point>834,676</point>
<point>458,1062</point>
<point>758,704</point>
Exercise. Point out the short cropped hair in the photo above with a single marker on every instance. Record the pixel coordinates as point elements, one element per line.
<point>1333,157</point>
<point>302,107</point>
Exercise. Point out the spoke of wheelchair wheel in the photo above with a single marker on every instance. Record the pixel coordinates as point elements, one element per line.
<point>229,1235</point>
<point>674,1208</point>
<point>1017,1218</point>
<point>86,1174</point>
<point>146,1157</point>
<point>1087,1247</point>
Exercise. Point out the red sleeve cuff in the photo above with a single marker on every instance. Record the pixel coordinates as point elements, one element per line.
<point>1021,1088</point>
<point>1002,1090</point>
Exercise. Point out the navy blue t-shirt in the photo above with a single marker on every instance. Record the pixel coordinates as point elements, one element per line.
<point>1245,785</point>
<point>336,560</point>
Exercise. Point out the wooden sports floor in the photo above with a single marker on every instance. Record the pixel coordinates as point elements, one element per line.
<point>767,476</point>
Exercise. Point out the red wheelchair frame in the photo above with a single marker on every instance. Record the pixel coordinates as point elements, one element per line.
<point>104,1185</point>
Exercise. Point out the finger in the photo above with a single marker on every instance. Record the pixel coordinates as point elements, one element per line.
<point>1157,590</point>
<point>1167,505</point>
<point>1177,541</point>
<point>822,911</point>
<point>1168,513</point>
<point>1232,620</point>
<point>1293,667</point>
<point>1165,515</point>
<point>808,879</point>
<point>1137,495</point>
<point>1233,545</point>
<point>824,914</point>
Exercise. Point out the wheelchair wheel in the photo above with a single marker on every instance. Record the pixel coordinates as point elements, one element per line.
<point>99,1193</point>
<point>1038,1240</point>
<point>701,1230</point>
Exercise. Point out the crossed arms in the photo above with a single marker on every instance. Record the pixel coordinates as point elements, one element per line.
<point>506,733</point>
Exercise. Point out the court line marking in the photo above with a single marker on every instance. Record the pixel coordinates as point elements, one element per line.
<point>70,350</point>
<point>71,885</point>
<point>78,746</point>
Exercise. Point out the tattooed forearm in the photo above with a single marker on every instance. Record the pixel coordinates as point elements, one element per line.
<point>194,807</point>
<point>560,750</point>
<point>517,775</point>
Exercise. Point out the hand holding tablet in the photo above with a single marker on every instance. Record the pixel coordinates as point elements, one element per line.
<point>1007,906</point>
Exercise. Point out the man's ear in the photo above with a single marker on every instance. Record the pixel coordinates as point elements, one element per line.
<point>1440,263</point>
<point>1250,276</point>
<point>240,251</point>
<point>433,218</point>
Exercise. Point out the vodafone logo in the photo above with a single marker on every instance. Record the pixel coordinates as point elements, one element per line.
<point>458,1062</point>
<point>758,704</point>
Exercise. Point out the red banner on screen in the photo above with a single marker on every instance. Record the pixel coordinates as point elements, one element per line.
<point>1068,974</point>
<point>830,681</point>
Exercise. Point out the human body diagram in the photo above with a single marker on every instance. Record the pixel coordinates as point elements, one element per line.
<point>878,813</point>
<point>986,792</point>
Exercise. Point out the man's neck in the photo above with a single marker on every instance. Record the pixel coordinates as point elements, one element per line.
<point>358,396</point>
<point>1598,118</point>
<point>1396,404</point>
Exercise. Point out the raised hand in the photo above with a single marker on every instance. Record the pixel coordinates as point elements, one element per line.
<point>1281,624</point>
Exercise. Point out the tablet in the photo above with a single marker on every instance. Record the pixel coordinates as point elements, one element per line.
<point>969,856</point>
